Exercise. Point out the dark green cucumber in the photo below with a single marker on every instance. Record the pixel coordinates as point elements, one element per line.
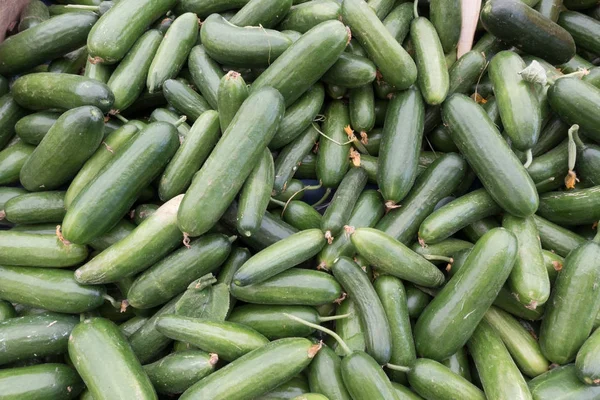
<point>243,143</point>
<point>400,145</point>
<point>588,367</point>
<point>573,305</point>
<point>588,162</point>
<point>365,379</point>
<point>70,63</point>
<point>336,92</point>
<point>571,208</point>
<point>12,160</point>
<point>36,208</point>
<point>466,72</point>
<point>195,149</point>
<point>176,372</point>
<point>461,304</point>
<point>392,294</point>
<point>397,22</point>
<point>548,169</point>
<point>340,208</point>
<point>417,300</point>
<point>131,326</point>
<point>291,155</point>
<point>101,354</point>
<point>459,363</point>
<point>381,7</point>
<point>303,17</point>
<point>445,248</point>
<point>433,380</point>
<point>7,311</point>
<point>295,70</point>
<point>265,13</point>
<point>51,289</point>
<point>488,154</point>
<point>517,24</point>
<point>121,230</point>
<point>332,158</point>
<point>584,30</point>
<point>362,109</point>
<point>257,372</point>
<point>171,275</point>
<point>579,4</point>
<point>438,181</point>
<point>376,327</point>
<point>325,375</point>
<point>394,63</point>
<point>43,381</point>
<point>556,238</point>
<point>350,71</point>
<point>170,116</point>
<point>237,257</point>
<point>295,388</point>
<point>292,287</point>
<point>233,91</point>
<point>203,8</point>
<point>33,14</point>
<point>206,74</point>
<point>562,382</point>
<point>32,128</point>
<point>99,72</point>
<point>37,250</point>
<point>119,183</point>
<point>554,264</point>
<point>142,212</point>
<point>45,41</point>
<point>184,99</point>
<point>446,17</point>
<point>10,113</point>
<point>574,64</point>
<point>350,329</point>
<point>301,215</point>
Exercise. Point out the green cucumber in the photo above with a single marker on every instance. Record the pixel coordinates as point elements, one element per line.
<point>184,99</point>
<point>376,327</point>
<point>394,63</point>
<point>325,375</point>
<point>237,257</point>
<point>7,193</point>
<point>43,381</point>
<point>573,305</point>
<point>459,363</point>
<point>554,264</point>
<point>295,70</point>
<point>571,208</point>
<point>466,72</point>
<point>362,109</point>
<point>350,329</point>
<point>350,71</point>
<point>461,304</point>
<point>305,16</point>
<point>548,169</point>
<point>445,248</point>
<point>7,311</point>
<point>584,29</point>
<point>588,367</point>
<point>381,7</point>
<point>33,14</point>
<point>206,74</point>
<point>99,72</point>
<point>101,354</point>
<point>142,212</point>
<point>12,160</point>
<point>131,326</point>
<point>574,64</point>
<point>37,250</point>
<point>365,379</point>
<point>497,167</point>
<point>405,393</point>
<point>446,17</point>
<point>10,113</point>
<point>588,158</point>
<point>517,24</point>
<point>45,41</point>
<point>70,63</point>
<point>121,230</point>
<point>556,238</point>
<point>286,163</point>
<point>32,128</point>
<point>48,288</point>
<point>579,4</point>
<point>292,389</point>
<point>119,183</point>
<point>170,116</point>
<point>433,380</point>
<point>203,8</point>
<point>400,145</point>
<point>195,149</point>
<point>265,13</point>
<point>243,143</point>
<point>36,208</point>
<point>300,215</point>
<point>176,372</point>
<point>332,158</point>
<point>417,300</point>
<point>340,208</point>
<point>397,22</point>
<point>562,382</point>
<point>233,91</point>
<point>292,287</point>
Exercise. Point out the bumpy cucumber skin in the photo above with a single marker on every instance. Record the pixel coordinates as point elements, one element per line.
<point>43,381</point>
<point>433,380</point>
<point>365,379</point>
<point>232,93</point>
<point>12,160</point>
<point>176,372</point>
<point>10,113</point>
<point>588,367</point>
<point>36,208</point>
<point>562,382</point>
<point>325,375</point>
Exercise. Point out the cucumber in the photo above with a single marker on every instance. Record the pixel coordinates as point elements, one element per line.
<point>376,327</point>
<point>350,71</point>
<point>562,382</point>
<point>556,238</point>
<point>588,368</point>
<point>350,329</point>
<point>554,264</point>
<point>119,183</point>
<point>573,305</point>
<point>12,160</point>
<point>33,14</point>
<point>579,4</point>
<point>166,115</point>
<point>292,287</point>
<point>361,108</point>
<point>128,80</point>
<point>397,22</point>
<point>244,141</point>
<point>438,181</point>
<point>446,18</point>
<point>184,99</point>
<point>43,381</point>
<point>325,376</point>
<point>195,149</point>
<point>489,156</point>
<point>45,41</point>
<point>574,64</point>
<point>446,248</point>
<point>70,63</point>
<point>32,128</point>
<point>99,72</point>
<point>548,170</point>
<point>459,363</point>
<point>232,93</point>
<point>295,387</point>
<point>495,365</point>
<point>519,25</point>
<point>461,304</point>
<point>584,29</point>
<point>392,257</point>
<point>588,166</point>
<point>119,232</point>
<point>405,393</point>
<point>171,275</point>
<point>91,345</point>
<point>394,63</point>
<point>365,379</point>
<point>433,380</point>
<point>466,72</point>
<point>305,16</point>
<point>571,208</point>
<point>289,158</point>
<point>48,288</point>
<point>176,372</point>
<point>519,107</point>
<point>7,311</point>
<point>10,113</point>
<point>266,13</point>
<point>142,212</point>
<point>36,208</point>
<point>340,208</point>
<point>255,195</point>
<point>38,250</point>
<point>7,193</point>
<point>203,8</point>
<point>131,326</point>
<point>332,159</point>
<point>400,145</point>
<point>295,70</point>
<point>381,7</point>
<point>206,74</point>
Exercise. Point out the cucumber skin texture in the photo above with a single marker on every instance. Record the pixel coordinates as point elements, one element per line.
<point>303,17</point>
<point>270,321</point>
<point>295,70</point>
<point>237,257</point>
<point>176,372</point>
<point>332,159</point>
<point>64,149</point>
<point>433,380</point>
<point>45,90</point>
<point>158,233</point>
<point>117,30</point>
<point>243,142</point>
<point>394,63</point>
<point>7,311</point>
<point>527,30</point>
<point>377,333</point>
<point>325,375</point>
<point>464,300</point>
<point>33,14</point>
<point>10,113</point>
<point>206,74</point>
<point>433,78</point>
<point>121,230</point>
<point>579,277</point>
<point>229,340</point>
<point>7,193</point>
<point>203,8</point>
<point>46,41</point>
<point>361,108</point>
<point>51,289</point>
<point>392,257</point>
<point>142,212</point>
<point>266,13</point>
<point>128,80</point>
<point>36,208</point>
<point>255,195</point>
<point>519,106</point>
<point>584,30</point>
<point>43,381</point>
<point>571,208</point>
<point>37,250</point>
<point>397,22</point>
<point>350,71</point>
<point>562,382</point>
<point>257,372</point>
<point>184,99</point>
<point>340,208</point>
<point>171,275</point>
<point>400,145</point>
<point>350,329</point>
<point>195,149</point>
<point>489,156</point>
<point>528,281</point>
<point>291,156</point>
<point>459,213</point>
<point>231,95</point>
<point>91,344</point>
<point>495,365</point>
<point>446,18</point>
<point>32,128</point>
<point>292,389</point>
<point>292,287</point>
<point>105,199</point>
<point>99,72</point>
<point>465,72</point>
<point>459,364</point>
<point>556,238</point>
<point>588,369</point>
<point>12,160</point>
<point>31,336</point>
<point>438,181</point>
<point>372,381</point>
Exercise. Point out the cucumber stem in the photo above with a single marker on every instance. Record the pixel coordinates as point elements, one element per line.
<point>433,257</point>
<point>116,304</point>
<point>323,199</point>
<point>278,202</point>
<point>331,139</point>
<point>232,238</point>
<point>315,187</point>
<point>357,143</point>
<point>529,160</point>
<point>416,9</point>
<point>334,335</point>
<point>334,317</point>
<point>571,177</point>
<point>121,118</point>
<point>180,121</point>
<point>395,367</point>
<point>545,181</point>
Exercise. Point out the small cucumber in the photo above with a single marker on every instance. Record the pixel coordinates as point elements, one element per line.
<point>556,238</point>
<point>433,380</point>
<point>12,160</point>
<point>206,74</point>
<point>43,381</point>
<point>548,169</point>
<point>571,208</point>
<point>365,379</point>
<point>255,194</point>
<point>303,17</point>
<point>350,329</point>
<point>587,361</point>
<point>32,128</point>
<point>350,71</point>
<point>233,91</point>
<point>121,230</point>
<point>265,13</point>
<point>99,72</point>
<point>332,158</point>
<point>562,382</point>
<point>295,388</point>
<point>10,113</point>
<point>36,208</point>
<point>7,311</point>
<point>584,29</point>
<point>588,161</point>
<point>362,109</point>
<point>176,372</point>
<point>397,22</point>
<point>184,99</point>
<point>340,208</point>
<point>37,250</point>
<point>325,375</point>
<point>446,17</point>
<point>286,163</point>
<point>70,63</point>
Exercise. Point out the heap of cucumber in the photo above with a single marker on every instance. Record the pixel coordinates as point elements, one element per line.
<point>291,199</point>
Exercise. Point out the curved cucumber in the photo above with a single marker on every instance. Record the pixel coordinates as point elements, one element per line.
<point>176,372</point>
<point>332,158</point>
<point>36,208</point>
<point>32,128</point>
<point>340,208</point>
<point>12,160</point>
<point>286,163</point>
<point>562,382</point>
<point>184,99</point>
<point>44,381</point>
<point>433,380</point>
<point>587,361</point>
